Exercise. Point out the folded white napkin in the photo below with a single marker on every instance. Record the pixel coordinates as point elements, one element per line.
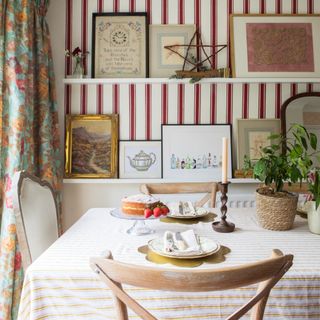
<point>184,243</point>
<point>182,208</point>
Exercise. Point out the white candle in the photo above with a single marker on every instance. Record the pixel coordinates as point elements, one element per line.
<point>224,160</point>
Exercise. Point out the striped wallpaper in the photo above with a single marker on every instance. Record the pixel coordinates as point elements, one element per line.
<point>143,107</point>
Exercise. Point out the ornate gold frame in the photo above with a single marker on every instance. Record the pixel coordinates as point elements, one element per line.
<point>114,118</point>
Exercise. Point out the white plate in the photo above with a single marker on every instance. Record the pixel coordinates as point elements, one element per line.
<point>200,212</point>
<point>208,247</point>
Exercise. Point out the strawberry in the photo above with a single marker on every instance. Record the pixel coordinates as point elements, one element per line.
<point>148,213</point>
<point>165,210</point>
<point>157,212</point>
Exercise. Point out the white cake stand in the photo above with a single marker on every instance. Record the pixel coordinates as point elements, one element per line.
<point>139,228</point>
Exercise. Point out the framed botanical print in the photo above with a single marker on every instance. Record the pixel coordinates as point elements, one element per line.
<point>253,134</point>
<point>91,146</point>
<point>120,45</point>
<point>163,62</point>
<point>194,152</point>
<point>275,45</point>
<point>140,159</point>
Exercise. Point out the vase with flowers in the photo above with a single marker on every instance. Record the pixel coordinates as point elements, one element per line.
<point>312,206</point>
<point>79,57</point>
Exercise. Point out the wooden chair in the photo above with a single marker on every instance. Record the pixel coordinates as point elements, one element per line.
<point>266,272</point>
<point>36,213</point>
<point>210,188</point>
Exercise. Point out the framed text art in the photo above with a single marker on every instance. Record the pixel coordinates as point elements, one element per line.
<point>275,45</point>
<point>253,135</point>
<point>91,146</point>
<point>163,62</point>
<point>120,45</point>
<point>194,152</point>
<point>140,159</point>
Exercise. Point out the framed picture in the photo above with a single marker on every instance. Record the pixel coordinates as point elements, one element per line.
<point>253,135</point>
<point>163,62</point>
<point>91,146</point>
<point>140,159</point>
<point>275,45</point>
<point>120,45</point>
<point>194,152</point>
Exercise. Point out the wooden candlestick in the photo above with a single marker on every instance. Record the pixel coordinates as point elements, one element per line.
<point>223,225</point>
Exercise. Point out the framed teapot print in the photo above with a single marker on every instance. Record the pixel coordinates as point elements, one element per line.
<point>140,159</point>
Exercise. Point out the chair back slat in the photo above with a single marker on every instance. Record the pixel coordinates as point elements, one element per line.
<point>266,272</point>
<point>209,188</point>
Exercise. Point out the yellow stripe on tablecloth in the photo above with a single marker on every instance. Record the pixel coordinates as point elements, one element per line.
<point>98,280</point>
<point>173,308</point>
<point>47,316</point>
<point>142,289</point>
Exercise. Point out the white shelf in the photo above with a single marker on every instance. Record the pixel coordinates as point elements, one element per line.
<point>139,181</point>
<point>185,81</point>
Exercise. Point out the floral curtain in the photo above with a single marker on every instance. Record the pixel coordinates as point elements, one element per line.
<point>29,134</point>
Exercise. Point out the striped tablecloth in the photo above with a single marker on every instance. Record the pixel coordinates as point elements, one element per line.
<point>61,285</point>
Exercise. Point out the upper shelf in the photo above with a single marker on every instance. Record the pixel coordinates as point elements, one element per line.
<point>186,81</point>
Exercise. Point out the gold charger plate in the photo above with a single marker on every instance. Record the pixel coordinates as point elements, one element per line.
<point>207,245</point>
<point>215,258</point>
<point>207,218</point>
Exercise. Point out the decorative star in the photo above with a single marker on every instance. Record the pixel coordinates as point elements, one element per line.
<point>196,64</point>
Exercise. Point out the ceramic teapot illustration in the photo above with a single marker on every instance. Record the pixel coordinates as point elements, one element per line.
<point>142,161</point>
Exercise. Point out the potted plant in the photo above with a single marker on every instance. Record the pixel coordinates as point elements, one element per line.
<point>276,208</point>
<point>313,205</point>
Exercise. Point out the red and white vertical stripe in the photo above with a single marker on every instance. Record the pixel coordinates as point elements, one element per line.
<point>143,108</point>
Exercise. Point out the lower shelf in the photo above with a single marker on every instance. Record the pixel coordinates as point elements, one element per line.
<point>139,181</point>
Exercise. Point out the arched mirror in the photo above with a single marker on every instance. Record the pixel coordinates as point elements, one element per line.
<point>303,108</point>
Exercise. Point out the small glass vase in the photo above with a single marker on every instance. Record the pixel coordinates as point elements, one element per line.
<point>78,71</point>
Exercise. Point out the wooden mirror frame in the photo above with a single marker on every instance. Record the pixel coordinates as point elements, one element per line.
<point>287,102</point>
<point>284,109</point>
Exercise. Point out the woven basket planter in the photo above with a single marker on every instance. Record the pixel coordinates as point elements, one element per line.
<point>276,213</point>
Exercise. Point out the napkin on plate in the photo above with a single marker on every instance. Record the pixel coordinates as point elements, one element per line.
<point>182,208</point>
<point>184,243</point>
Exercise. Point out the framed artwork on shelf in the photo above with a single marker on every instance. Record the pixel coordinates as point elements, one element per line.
<point>120,45</point>
<point>194,152</point>
<point>253,135</point>
<point>91,146</point>
<point>139,159</point>
<point>269,45</point>
<point>162,62</point>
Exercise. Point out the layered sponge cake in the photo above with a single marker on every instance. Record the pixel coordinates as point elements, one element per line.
<point>136,204</point>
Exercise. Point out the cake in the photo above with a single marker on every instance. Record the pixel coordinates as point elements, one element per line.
<point>136,204</point>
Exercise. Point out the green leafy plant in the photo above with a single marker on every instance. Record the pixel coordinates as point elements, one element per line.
<point>293,165</point>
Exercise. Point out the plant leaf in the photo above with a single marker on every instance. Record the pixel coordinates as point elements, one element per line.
<point>313,141</point>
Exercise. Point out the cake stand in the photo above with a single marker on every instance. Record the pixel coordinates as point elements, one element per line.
<point>139,228</point>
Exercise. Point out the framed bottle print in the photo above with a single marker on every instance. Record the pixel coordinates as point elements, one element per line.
<point>194,152</point>
<point>120,45</point>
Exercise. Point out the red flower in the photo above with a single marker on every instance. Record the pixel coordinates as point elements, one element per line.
<point>17,261</point>
<point>76,51</point>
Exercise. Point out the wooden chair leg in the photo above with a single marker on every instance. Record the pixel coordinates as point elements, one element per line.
<point>121,308</point>
<point>258,310</point>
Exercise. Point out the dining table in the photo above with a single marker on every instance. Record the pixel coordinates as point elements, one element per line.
<point>60,284</point>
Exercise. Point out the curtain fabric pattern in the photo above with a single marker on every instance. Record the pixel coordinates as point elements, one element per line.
<point>29,133</point>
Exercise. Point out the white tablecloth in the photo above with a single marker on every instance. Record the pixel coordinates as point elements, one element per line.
<point>61,285</point>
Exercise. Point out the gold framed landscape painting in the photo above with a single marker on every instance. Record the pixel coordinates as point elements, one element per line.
<point>91,146</point>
